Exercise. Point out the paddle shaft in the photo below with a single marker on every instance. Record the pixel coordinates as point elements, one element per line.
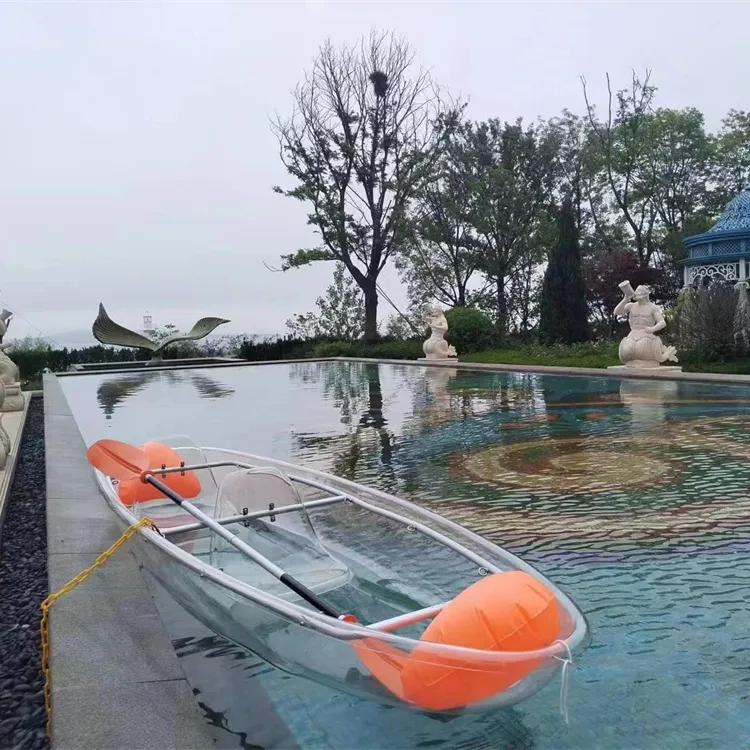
<point>246,549</point>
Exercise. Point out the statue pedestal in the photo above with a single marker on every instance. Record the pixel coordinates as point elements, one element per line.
<point>13,398</point>
<point>658,368</point>
<point>439,359</point>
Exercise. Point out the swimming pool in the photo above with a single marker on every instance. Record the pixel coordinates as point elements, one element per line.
<point>632,495</point>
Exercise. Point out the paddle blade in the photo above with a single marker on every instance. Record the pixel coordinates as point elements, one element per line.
<point>117,460</point>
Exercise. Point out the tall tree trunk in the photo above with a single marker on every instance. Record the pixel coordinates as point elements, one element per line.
<point>461,301</point>
<point>371,310</point>
<point>502,305</point>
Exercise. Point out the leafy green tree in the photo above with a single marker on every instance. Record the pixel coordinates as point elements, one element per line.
<point>441,261</point>
<point>366,131</point>
<point>732,171</point>
<point>655,165</point>
<point>563,312</point>
<point>513,176</point>
<point>624,142</point>
<point>340,313</point>
<point>28,344</point>
<point>303,325</point>
<point>580,178</point>
<point>680,155</point>
<point>405,326</point>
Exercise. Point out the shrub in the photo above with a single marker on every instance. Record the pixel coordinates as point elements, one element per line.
<point>705,324</point>
<point>469,330</point>
<point>33,361</point>
<point>410,349</point>
<point>333,349</point>
<point>383,349</point>
<point>288,347</point>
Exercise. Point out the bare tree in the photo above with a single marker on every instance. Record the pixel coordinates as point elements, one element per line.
<point>366,130</point>
<point>624,141</point>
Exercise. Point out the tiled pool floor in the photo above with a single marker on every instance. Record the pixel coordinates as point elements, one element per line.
<point>632,495</point>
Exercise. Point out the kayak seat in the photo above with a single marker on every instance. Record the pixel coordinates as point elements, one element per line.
<point>288,538</point>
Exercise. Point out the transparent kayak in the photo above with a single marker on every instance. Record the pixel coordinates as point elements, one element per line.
<point>439,620</point>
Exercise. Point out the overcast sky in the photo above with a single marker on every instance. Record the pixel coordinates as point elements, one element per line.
<point>136,158</point>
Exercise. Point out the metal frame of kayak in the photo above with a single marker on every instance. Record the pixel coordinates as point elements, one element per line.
<point>389,625</point>
<point>341,629</point>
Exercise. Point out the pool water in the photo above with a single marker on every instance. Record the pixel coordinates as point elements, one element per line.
<point>632,495</point>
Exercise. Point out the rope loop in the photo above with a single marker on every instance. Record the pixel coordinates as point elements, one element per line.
<point>567,662</point>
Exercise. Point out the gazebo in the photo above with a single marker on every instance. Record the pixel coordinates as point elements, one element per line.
<point>723,252</point>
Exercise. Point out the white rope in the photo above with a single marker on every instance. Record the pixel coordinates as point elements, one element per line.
<point>28,322</point>
<point>391,303</point>
<point>565,680</point>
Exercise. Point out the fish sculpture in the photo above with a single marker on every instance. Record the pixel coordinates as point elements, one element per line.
<point>106,331</point>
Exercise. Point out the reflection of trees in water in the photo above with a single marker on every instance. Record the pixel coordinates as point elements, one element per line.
<point>341,383</point>
<point>116,390</point>
<point>355,389</point>
<point>440,395</point>
<point>445,394</point>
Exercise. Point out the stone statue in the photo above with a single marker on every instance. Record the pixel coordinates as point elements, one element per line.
<point>5,317</point>
<point>641,347</point>
<point>436,347</point>
<point>106,331</point>
<point>9,375</point>
<point>4,438</point>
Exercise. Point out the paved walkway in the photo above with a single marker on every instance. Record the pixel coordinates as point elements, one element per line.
<point>116,681</point>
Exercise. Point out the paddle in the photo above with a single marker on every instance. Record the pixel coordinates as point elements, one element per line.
<point>123,461</point>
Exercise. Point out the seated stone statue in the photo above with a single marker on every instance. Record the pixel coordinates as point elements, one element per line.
<point>9,375</point>
<point>641,347</point>
<point>436,347</point>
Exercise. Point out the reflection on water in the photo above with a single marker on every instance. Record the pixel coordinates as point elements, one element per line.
<point>647,401</point>
<point>117,389</point>
<point>633,495</point>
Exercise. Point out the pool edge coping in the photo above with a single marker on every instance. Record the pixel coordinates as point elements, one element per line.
<point>645,374</point>
<point>598,372</point>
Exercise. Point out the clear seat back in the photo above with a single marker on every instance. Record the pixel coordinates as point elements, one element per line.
<point>284,533</point>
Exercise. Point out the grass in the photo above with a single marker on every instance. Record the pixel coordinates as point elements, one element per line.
<point>591,355</point>
<point>735,367</point>
<point>595,355</point>
<point>516,357</point>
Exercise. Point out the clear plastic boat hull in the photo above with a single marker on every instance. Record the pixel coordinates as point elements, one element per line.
<point>370,554</point>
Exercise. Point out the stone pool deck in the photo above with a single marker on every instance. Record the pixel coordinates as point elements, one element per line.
<point>116,680</point>
<point>13,422</point>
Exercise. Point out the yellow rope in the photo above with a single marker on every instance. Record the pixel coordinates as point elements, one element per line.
<point>69,586</point>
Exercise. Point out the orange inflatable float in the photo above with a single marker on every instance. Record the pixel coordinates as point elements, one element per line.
<point>510,611</point>
<point>187,485</point>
